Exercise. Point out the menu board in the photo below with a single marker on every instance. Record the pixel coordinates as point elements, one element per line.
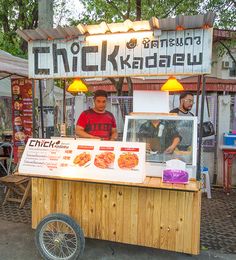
<point>86,159</point>
<point>22,114</point>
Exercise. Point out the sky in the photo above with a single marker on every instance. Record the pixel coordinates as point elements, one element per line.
<point>74,6</point>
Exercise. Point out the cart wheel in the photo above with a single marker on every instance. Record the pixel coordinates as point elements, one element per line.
<point>59,237</point>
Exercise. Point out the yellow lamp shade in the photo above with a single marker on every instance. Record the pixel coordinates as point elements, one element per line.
<point>77,86</point>
<point>172,84</point>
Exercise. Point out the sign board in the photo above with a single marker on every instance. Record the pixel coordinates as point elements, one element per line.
<point>22,114</point>
<point>79,159</point>
<point>116,55</point>
<point>151,101</point>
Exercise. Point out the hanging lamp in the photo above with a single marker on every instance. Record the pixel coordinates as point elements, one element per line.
<point>77,86</point>
<point>172,84</point>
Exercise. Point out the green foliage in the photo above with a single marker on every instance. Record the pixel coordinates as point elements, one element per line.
<point>22,14</point>
<point>96,11</point>
<point>225,11</point>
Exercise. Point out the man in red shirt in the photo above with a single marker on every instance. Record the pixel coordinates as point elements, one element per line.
<point>97,122</point>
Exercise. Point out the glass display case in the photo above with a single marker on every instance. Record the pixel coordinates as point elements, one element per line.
<point>166,137</point>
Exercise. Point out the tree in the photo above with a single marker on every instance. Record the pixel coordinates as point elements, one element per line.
<point>13,15</point>
<point>96,11</point>
<point>23,14</point>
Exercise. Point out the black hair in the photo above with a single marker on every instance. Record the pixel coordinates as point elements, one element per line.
<point>184,94</point>
<point>100,93</point>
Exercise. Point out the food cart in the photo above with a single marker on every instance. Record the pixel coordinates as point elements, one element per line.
<point>140,210</point>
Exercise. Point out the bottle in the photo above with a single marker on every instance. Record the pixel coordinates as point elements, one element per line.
<point>63,129</point>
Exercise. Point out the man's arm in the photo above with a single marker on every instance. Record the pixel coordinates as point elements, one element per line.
<point>114,134</point>
<point>81,133</point>
<point>172,147</point>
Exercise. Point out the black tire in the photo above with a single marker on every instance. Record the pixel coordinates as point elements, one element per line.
<point>59,237</point>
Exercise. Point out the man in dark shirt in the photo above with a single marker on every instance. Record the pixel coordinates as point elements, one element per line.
<point>186,102</point>
<point>97,122</point>
<point>159,136</point>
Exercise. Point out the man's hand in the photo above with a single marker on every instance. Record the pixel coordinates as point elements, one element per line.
<point>170,149</point>
<point>148,147</point>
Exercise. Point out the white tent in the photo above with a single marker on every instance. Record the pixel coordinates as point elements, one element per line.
<point>12,66</point>
<point>5,87</point>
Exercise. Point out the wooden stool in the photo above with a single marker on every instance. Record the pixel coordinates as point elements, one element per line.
<point>18,185</point>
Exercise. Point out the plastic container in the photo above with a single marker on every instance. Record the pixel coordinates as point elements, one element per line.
<point>229,139</point>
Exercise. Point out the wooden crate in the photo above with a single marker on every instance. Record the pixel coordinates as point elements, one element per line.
<point>152,214</point>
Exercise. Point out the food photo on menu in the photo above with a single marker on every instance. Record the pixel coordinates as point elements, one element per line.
<point>128,161</point>
<point>105,160</point>
<point>128,158</point>
<point>83,159</point>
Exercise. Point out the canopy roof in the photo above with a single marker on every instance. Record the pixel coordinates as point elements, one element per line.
<point>11,65</point>
<point>166,24</point>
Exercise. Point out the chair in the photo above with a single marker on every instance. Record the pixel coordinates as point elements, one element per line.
<point>18,188</point>
<point>206,187</point>
<point>6,157</point>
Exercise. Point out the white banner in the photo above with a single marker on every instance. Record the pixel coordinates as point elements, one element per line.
<point>183,52</point>
<point>80,159</point>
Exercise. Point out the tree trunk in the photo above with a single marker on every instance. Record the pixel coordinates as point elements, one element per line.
<point>138,10</point>
<point>130,86</point>
<point>118,85</point>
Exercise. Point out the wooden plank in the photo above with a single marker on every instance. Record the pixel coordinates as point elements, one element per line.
<point>105,210</point>
<point>75,206</point>
<point>112,214</point>
<point>92,209</point>
<point>120,217</point>
<point>142,196</point>
<point>180,221</point>
<point>149,217</point>
<point>165,196</point>
<point>196,223</point>
<point>35,206</point>
<point>40,200</point>
<point>155,182</point>
<point>98,211</point>
<point>156,218</point>
<point>188,222</point>
<point>134,215</point>
<point>85,208</point>
<point>147,180</point>
<point>50,197</point>
<point>127,234</point>
<point>59,196</point>
<point>172,220</point>
<point>192,186</point>
<point>65,196</point>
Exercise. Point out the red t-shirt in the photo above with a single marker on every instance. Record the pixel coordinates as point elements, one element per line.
<point>97,124</point>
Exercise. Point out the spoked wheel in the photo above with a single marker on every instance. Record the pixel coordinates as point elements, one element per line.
<point>59,237</point>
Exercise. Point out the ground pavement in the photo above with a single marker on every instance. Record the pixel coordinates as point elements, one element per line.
<point>218,235</point>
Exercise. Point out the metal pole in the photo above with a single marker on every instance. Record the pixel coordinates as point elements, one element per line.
<point>198,92</point>
<point>33,108</point>
<point>64,102</point>
<point>41,106</point>
<point>200,130</point>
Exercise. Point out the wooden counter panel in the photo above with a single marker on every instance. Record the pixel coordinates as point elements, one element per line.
<point>149,182</point>
<point>159,218</point>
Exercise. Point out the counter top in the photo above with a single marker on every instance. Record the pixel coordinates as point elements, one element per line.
<point>227,147</point>
<point>149,182</point>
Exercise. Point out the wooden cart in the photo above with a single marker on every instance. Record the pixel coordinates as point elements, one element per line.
<point>152,214</point>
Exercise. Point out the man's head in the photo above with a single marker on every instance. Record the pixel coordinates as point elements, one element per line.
<point>100,100</point>
<point>186,101</point>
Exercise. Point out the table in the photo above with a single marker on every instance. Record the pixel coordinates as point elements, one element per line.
<point>229,154</point>
<point>153,214</point>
